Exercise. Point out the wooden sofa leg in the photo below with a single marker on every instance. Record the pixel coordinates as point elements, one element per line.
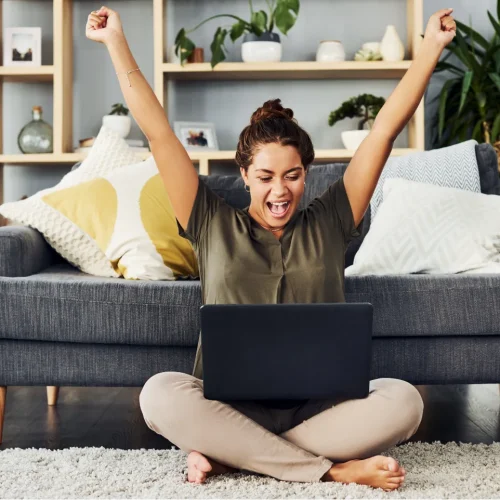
<point>3,396</point>
<point>52,394</point>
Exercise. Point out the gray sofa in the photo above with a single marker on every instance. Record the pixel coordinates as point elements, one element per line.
<point>60,327</point>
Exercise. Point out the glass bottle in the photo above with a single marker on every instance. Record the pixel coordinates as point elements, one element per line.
<point>36,136</point>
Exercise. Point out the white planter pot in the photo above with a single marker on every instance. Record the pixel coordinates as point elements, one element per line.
<point>263,48</point>
<point>391,46</point>
<point>119,123</point>
<point>330,51</point>
<point>353,138</point>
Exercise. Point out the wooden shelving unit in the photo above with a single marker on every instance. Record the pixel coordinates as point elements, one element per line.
<point>300,70</point>
<point>61,75</point>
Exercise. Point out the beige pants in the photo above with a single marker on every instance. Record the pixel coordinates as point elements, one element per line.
<point>298,444</point>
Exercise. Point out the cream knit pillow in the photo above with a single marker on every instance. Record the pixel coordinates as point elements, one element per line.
<point>110,217</point>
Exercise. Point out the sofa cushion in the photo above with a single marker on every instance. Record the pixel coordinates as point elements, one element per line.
<point>62,304</point>
<point>424,305</point>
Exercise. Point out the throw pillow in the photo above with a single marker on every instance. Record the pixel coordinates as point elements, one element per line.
<point>454,166</point>
<point>423,228</point>
<point>110,217</point>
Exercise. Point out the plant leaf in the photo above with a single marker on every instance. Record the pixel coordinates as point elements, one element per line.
<point>477,37</point>
<point>495,129</point>
<point>285,14</point>
<point>495,78</point>
<point>294,6</point>
<point>495,23</point>
<point>237,30</point>
<point>467,58</point>
<point>217,46</point>
<point>442,106</point>
<point>183,45</point>
<point>259,22</point>
<point>443,66</point>
<point>467,80</point>
<point>477,131</point>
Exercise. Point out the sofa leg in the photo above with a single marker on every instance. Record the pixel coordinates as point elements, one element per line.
<point>3,396</point>
<point>52,394</point>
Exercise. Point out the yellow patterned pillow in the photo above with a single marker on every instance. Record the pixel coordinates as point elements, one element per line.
<point>128,214</point>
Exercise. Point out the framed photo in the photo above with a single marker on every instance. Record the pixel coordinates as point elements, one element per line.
<point>197,136</point>
<point>22,47</point>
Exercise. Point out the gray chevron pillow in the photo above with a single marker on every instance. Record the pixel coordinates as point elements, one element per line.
<point>453,166</point>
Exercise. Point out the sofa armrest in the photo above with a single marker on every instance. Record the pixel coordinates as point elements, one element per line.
<point>23,251</point>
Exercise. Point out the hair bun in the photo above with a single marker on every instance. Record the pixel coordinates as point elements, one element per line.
<point>271,109</point>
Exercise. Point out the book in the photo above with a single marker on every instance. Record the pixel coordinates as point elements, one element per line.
<point>136,149</point>
<point>89,141</point>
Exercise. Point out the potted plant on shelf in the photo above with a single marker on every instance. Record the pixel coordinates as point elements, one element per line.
<point>364,106</point>
<point>118,120</point>
<point>469,101</point>
<point>260,42</point>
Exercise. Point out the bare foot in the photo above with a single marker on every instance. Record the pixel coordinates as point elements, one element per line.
<point>200,468</point>
<point>377,472</point>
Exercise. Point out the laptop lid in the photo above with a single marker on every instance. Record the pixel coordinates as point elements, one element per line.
<point>286,351</point>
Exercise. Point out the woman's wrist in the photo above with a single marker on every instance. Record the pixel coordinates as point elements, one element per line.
<point>116,39</point>
<point>431,49</point>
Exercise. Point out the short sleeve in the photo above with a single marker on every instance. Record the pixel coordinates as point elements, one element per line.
<point>336,201</point>
<point>204,208</point>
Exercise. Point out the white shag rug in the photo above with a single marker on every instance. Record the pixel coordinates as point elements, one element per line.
<point>433,471</point>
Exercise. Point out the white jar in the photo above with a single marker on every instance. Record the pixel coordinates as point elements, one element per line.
<point>330,51</point>
<point>391,47</point>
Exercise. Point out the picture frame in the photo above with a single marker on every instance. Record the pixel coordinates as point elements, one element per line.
<point>197,136</point>
<point>22,46</point>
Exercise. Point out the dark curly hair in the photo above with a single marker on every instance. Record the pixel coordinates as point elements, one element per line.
<point>272,123</point>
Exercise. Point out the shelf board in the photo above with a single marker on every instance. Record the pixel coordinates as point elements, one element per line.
<point>300,70</point>
<point>19,74</point>
<point>320,154</point>
<point>222,156</point>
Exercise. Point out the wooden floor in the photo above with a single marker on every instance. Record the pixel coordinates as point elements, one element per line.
<point>111,417</point>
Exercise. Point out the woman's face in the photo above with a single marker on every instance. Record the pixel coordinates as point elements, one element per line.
<point>276,180</point>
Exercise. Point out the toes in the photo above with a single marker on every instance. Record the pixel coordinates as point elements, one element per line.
<point>395,480</point>
<point>391,465</point>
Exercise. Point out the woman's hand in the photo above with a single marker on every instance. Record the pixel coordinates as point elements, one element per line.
<point>103,25</point>
<point>441,28</point>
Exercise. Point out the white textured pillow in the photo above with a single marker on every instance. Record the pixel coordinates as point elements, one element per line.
<point>423,228</point>
<point>108,153</point>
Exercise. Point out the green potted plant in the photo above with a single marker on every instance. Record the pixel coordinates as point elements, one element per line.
<point>118,120</point>
<point>469,101</point>
<point>364,106</point>
<point>260,42</point>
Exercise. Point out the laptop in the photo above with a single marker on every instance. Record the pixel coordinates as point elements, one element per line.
<point>286,351</point>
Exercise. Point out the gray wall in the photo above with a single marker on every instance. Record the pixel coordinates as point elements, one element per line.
<point>227,104</point>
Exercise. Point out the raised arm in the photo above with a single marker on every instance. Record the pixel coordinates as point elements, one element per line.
<point>363,172</point>
<point>175,166</point>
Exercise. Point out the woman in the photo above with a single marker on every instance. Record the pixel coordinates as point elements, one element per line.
<point>274,253</point>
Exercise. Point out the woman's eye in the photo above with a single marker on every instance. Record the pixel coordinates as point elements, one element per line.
<point>265,179</point>
<point>293,178</point>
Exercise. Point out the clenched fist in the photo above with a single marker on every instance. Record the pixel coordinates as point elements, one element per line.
<point>441,28</point>
<point>103,25</point>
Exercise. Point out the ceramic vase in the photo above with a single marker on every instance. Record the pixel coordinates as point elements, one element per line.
<point>263,48</point>
<point>330,51</point>
<point>391,46</point>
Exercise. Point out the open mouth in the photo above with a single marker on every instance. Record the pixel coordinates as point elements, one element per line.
<point>278,210</point>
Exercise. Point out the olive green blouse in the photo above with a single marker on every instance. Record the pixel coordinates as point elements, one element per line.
<point>240,262</point>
